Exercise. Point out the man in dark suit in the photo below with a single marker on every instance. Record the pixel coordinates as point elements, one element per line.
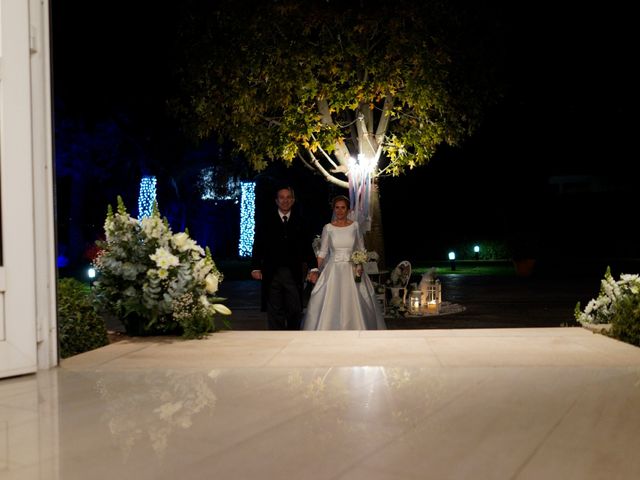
<point>282,252</point>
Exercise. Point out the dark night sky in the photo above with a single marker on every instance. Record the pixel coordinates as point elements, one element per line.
<point>567,112</point>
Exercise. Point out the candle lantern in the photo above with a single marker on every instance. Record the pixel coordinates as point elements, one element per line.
<point>433,297</point>
<point>415,302</point>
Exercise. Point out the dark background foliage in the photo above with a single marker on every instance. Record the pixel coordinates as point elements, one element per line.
<point>548,169</point>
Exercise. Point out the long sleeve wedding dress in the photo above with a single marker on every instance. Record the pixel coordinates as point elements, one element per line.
<point>337,301</point>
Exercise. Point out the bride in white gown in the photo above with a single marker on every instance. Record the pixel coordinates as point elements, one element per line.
<point>337,301</point>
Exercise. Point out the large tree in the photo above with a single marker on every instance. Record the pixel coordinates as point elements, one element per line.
<point>326,82</point>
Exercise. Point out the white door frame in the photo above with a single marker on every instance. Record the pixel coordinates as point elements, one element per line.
<point>28,338</point>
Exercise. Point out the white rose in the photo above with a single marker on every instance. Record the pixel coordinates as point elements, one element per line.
<point>211,283</point>
<point>180,241</point>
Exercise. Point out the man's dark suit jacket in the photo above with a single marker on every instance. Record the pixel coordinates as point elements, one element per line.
<point>276,245</point>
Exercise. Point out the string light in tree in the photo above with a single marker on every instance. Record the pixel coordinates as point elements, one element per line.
<point>210,190</point>
<point>147,196</point>
<point>247,218</point>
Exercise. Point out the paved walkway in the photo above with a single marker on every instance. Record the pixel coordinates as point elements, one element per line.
<point>412,402</point>
<point>489,302</point>
<point>529,403</point>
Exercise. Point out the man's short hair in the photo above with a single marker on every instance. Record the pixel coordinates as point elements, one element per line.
<point>285,187</point>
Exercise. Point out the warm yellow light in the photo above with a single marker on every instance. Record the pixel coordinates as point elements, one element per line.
<point>364,164</point>
<point>415,300</point>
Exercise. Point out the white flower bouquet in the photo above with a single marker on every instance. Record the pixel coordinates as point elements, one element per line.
<point>358,259</point>
<point>156,281</point>
<point>612,293</point>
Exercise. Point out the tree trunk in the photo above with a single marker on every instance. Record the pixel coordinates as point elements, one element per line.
<point>374,239</point>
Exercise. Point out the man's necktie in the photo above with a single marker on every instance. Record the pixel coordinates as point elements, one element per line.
<point>285,219</point>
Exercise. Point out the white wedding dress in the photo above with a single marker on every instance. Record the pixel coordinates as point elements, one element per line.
<point>337,301</point>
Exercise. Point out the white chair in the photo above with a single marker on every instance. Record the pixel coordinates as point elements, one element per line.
<point>400,277</point>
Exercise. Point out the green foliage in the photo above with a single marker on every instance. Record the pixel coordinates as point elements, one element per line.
<point>306,79</point>
<point>80,329</point>
<point>489,250</point>
<point>198,325</point>
<point>617,304</point>
<point>625,321</point>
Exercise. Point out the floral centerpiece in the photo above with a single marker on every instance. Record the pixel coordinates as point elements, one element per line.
<point>156,281</point>
<point>358,259</point>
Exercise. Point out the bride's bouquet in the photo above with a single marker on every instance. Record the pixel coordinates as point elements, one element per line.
<point>358,259</point>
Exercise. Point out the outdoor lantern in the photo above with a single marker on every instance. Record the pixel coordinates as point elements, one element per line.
<point>415,302</point>
<point>476,250</point>
<point>434,297</point>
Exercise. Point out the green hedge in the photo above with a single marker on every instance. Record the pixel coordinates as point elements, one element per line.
<point>625,321</point>
<point>80,328</point>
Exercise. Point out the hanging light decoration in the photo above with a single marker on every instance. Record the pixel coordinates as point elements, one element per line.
<point>147,196</point>
<point>247,218</point>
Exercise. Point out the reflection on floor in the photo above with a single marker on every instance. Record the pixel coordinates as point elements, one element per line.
<point>557,403</point>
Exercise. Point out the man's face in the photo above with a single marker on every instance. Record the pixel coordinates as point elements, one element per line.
<point>285,200</point>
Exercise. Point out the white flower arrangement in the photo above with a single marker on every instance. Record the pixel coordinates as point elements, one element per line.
<point>600,310</point>
<point>358,259</point>
<point>151,276</point>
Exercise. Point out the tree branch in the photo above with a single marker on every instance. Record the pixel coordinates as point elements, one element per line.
<point>383,124</point>
<point>305,163</point>
<point>330,178</point>
<point>326,155</point>
<point>367,147</point>
<point>342,153</point>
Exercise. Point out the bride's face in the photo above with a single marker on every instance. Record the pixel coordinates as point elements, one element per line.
<point>340,210</point>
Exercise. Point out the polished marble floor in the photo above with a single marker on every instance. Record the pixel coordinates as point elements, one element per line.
<point>548,403</point>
